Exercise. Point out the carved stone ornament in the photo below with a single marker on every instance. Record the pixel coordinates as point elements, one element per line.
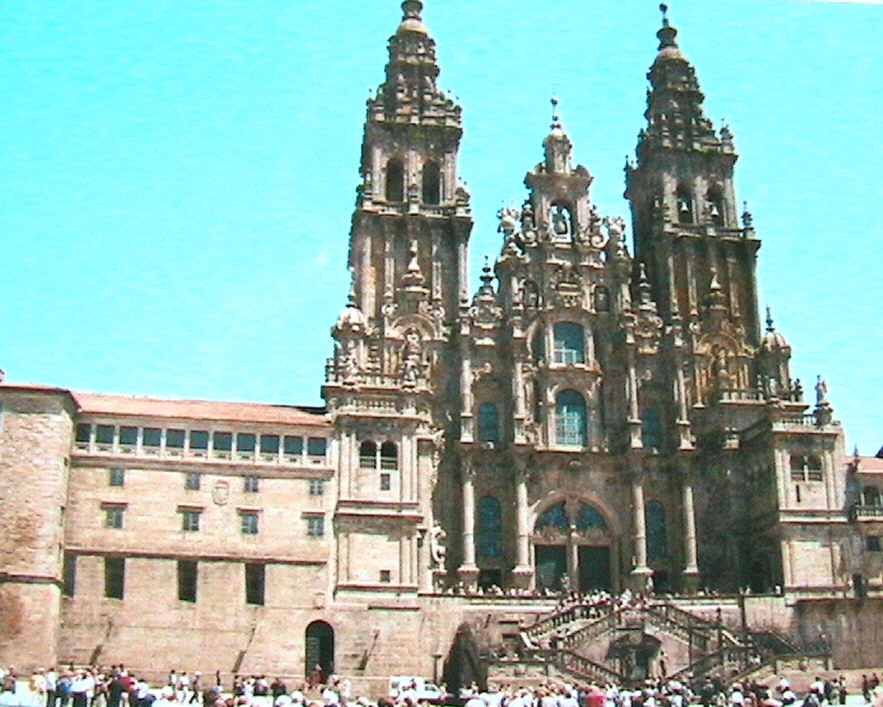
<point>221,493</point>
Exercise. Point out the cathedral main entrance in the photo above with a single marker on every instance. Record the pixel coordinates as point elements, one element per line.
<point>572,549</point>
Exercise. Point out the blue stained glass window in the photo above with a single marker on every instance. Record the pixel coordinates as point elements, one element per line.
<point>570,427</point>
<point>490,528</point>
<point>588,517</point>
<point>554,517</point>
<point>488,423</point>
<point>570,343</point>
<point>654,518</point>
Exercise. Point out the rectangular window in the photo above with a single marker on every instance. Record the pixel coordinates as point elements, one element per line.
<point>193,481</point>
<point>187,577</point>
<point>114,577</point>
<point>84,431</point>
<point>316,526</point>
<point>254,583</point>
<point>316,447</point>
<point>252,484</point>
<point>70,574</point>
<point>248,521</point>
<point>872,543</point>
<point>113,516</point>
<point>198,440</point>
<point>245,442</point>
<point>175,439</point>
<point>269,444</point>
<point>317,487</point>
<point>117,477</point>
<point>104,434</point>
<point>293,446</point>
<point>222,443</point>
<point>385,576</point>
<point>151,437</point>
<point>128,436</point>
<point>190,520</point>
<point>385,482</point>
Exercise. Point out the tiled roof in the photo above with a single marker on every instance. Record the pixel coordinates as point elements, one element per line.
<point>98,404</point>
<point>870,464</point>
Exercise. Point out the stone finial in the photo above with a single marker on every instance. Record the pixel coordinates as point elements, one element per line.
<point>769,321</point>
<point>667,33</point>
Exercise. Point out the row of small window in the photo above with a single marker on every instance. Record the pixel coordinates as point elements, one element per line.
<point>200,443</point>
<point>806,467</point>
<point>193,482</point>
<point>188,576</point>
<point>191,520</point>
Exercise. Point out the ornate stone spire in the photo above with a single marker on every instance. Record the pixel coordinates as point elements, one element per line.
<point>557,145</point>
<point>410,88</point>
<point>674,102</point>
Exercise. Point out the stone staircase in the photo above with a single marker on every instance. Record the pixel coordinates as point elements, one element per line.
<point>562,638</point>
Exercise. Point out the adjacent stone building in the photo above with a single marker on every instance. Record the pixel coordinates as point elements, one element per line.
<point>589,419</point>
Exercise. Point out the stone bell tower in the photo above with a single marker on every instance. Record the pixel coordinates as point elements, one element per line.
<point>391,384</point>
<point>701,261</point>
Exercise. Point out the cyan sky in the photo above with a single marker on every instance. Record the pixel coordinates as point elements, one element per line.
<point>178,176</point>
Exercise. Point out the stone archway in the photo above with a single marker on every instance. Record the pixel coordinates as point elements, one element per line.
<point>573,548</point>
<point>319,650</point>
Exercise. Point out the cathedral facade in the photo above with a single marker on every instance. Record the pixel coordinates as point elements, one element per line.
<point>590,419</point>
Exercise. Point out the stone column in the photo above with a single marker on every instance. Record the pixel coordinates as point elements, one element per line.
<point>641,572</point>
<point>518,395</point>
<point>691,569</point>
<point>522,574</point>
<point>634,418</point>
<point>424,560</point>
<point>468,570</point>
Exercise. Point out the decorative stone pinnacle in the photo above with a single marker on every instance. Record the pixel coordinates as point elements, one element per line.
<point>556,117</point>
<point>667,33</point>
<point>769,321</point>
<point>411,10</point>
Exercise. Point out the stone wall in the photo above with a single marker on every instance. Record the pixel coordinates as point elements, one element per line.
<point>35,434</point>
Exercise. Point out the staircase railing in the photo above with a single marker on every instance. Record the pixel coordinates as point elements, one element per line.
<point>580,665</point>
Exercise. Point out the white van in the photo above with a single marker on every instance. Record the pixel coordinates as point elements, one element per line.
<point>416,688</point>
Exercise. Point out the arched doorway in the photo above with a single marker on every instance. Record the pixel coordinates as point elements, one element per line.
<point>319,650</point>
<point>572,548</point>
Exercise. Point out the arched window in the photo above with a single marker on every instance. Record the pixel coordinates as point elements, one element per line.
<point>488,423</point>
<point>489,538</point>
<point>602,299</point>
<point>570,343</point>
<point>570,419</point>
<point>431,184</point>
<point>684,205</point>
<point>367,454</point>
<point>589,517</point>
<point>395,180</point>
<point>654,519</point>
<point>651,429</point>
<point>715,200</point>
<point>389,456</point>
<point>553,517</point>
<point>561,222</point>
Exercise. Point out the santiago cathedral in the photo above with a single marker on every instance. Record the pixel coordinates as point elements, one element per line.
<point>598,417</point>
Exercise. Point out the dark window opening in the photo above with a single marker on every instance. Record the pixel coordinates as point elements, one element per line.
<point>117,477</point>
<point>367,454</point>
<point>317,446</point>
<point>395,181</point>
<point>431,184</point>
<point>570,343</point>
<point>187,578</point>
<point>269,444</point>
<point>245,442</point>
<point>222,441</point>
<point>389,456</point>
<point>151,437</point>
<point>175,439</point>
<point>128,436</point>
<point>114,577</point>
<point>293,446</point>
<point>70,574</point>
<point>488,423</point>
<point>104,434</point>
<point>199,440</point>
<point>684,205</point>
<point>84,430</point>
<point>193,481</point>
<point>254,583</point>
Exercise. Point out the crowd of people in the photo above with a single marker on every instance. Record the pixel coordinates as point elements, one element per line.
<point>118,687</point>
